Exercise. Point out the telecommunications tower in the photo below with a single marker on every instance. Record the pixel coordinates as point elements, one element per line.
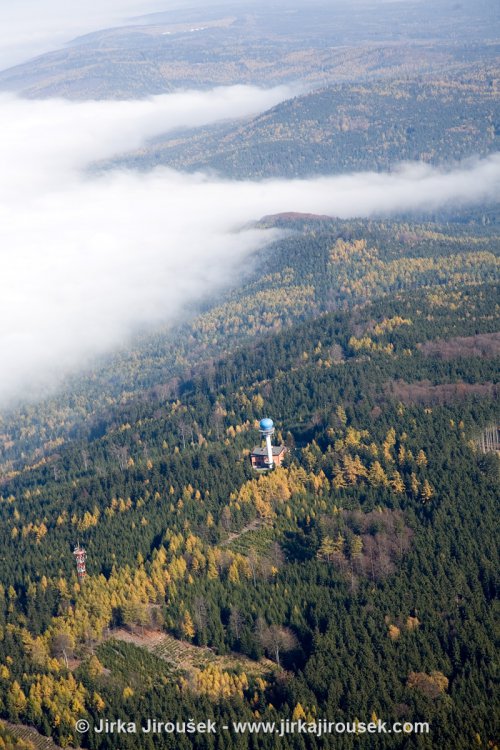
<point>266,429</point>
<point>264,458</point>
<point>80,557</point>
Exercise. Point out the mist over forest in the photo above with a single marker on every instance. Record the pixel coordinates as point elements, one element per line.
<point>91,257</point>
<point>249,424</point>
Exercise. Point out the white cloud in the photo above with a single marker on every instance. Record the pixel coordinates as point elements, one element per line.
<point>86,258</point>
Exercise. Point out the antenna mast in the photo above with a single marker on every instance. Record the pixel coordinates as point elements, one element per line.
<point>80,557</point>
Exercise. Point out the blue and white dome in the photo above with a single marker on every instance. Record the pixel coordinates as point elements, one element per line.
<point>266,424</point>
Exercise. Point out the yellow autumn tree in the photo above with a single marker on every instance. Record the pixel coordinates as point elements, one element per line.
<point>421,459</point>
<point>16,700</point>
<point>396,482</point>
<point>377,476</point>
<point>414,485</point>
<point>298,713</point>
<point>338,478</point>
<point>388,445</point>
<point>426,492</point>
<point>187,626</point>
<point>326,549</point>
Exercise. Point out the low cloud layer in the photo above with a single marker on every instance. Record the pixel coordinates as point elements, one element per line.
<point>85,259</point>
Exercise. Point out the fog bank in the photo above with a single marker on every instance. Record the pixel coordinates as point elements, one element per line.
<point>85,259</point>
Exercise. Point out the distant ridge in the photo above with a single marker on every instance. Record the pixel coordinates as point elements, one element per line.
<point>292,217</point>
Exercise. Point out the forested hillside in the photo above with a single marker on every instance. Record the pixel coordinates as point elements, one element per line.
<point>347,128</point>
<point>261,44</point>
<point>355,569</point>
<point>320,264</point>
<point>355,583</point>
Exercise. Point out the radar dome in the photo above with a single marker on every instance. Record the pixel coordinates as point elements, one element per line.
<point>266,424</point>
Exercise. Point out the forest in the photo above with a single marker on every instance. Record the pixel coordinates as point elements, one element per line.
<point>347,584</point>
<point>261,44</point>
<point>344,128</point>
<point>147,571</point>
<point>319,265</point>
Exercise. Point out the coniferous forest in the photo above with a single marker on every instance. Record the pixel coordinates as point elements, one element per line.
<point>357,582</point>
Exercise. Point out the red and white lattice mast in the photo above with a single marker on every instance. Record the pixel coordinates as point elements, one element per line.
<point>80,557</point>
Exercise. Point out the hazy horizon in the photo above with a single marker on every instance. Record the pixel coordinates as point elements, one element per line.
<point>31,30</point>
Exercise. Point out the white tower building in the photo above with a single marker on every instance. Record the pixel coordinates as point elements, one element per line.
<point>266,428</point>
